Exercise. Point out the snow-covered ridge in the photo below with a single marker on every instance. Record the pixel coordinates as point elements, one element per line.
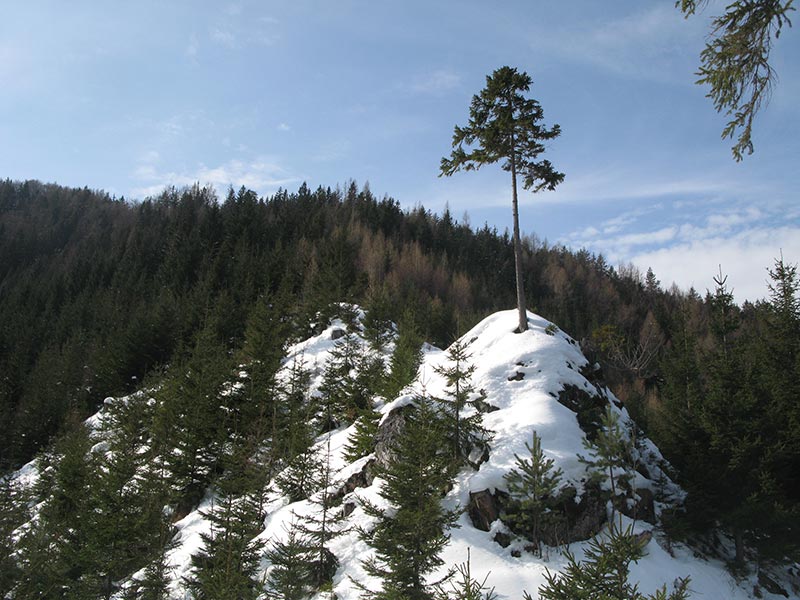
<point>520,378</point>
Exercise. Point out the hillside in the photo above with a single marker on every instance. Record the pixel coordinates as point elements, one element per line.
<point>523,383</point>
<point>97,292</point>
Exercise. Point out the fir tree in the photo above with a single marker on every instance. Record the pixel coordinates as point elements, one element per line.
<point>341,396</point>
<point>266,334</point>
<point>405,359</point>
<point>126,503</point>
<point>532,485</point>
<point>604,573</point>
<point>611,456</point>
<point>13,513</point>
<point>226,566</point>
<point>321,526</point>
<point>54,557</point>
<point>378,327</point>
<point>732,419</point>
<point>155,584</point>
<point>301,478</point>
<point>465,587</point>
<point>362,441</point>
<point>504,125</point>
<point>408,539</point>
<point>462,432</point>
<point>192,410</point>
<point>290,574</point>
<point>293,431</point>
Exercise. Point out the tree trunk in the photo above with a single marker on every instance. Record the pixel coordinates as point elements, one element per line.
<point>738,538</point>
<point>523,315</point>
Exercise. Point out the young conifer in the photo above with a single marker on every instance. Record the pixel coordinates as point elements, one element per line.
<point>409,539</point>
<point>604,573</point>
<point>611,455</point>
<point>13,513</point>
<point>226,566</point>
<point>405,359</point>
<point>290,575</point>
<point>462,432</point>
<point>531,486</point>
<point>322,525</point>
<point>362,440</point>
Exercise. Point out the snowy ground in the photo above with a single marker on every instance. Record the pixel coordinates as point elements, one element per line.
<point>548,360</point>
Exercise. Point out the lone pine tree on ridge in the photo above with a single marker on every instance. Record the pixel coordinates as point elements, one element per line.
<point>504,124</point>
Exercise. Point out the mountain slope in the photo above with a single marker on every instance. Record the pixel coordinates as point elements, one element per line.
<point>526,382</point>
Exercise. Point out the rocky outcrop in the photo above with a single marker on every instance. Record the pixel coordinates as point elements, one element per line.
<point>359,479</point>
<point>588,408</point>
<point>641,508</point>
<point>581,519</point>
<point>484,508</point>
<point>388,432</point>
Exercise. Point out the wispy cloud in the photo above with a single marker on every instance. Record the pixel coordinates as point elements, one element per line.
<point>744,256</point>
<point>333,151</point>
<point>655,43</point>
<point>224,37</point>
<point>744,239</point>
<point>625,184</point>
<point>191,47</point>
<point>236,29</point>
<point>261,174</point>
<point>436,82</point>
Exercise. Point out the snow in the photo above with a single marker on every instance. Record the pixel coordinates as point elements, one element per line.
<point>548,360</point>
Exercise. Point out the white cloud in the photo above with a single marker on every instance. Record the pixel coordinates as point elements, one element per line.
<point>192,47</point>
<point>284,127</point>
<point>654,44</point>
<point>624,184</point>
<point>150,157</point>
<point>744,257</point>
<point>333,151</point>
<point>260,174</point>
<point>238,30</point>
<point>688,251</point>
<point>437,82</point>
<point>223,37</point>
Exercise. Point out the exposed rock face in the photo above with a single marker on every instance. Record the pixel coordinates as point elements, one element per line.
<point>642,509</point>
<point>484,407</point>
<point>483,509</point>
<point>360,479</point>
<point>582,519</point>
<point>389,430</point>
<point>771,585</point>
<point>588,408</point>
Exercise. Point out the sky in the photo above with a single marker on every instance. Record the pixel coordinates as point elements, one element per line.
<point>132,97</point>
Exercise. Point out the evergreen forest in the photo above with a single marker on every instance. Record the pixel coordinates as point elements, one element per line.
<point>102,297</point>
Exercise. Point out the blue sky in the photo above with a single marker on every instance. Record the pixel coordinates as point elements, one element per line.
<point>130,97</point>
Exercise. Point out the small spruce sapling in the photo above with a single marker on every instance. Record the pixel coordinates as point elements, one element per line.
<point>532,485</point>
<point>226,565</point>
<point>290,577</point>
<point>611,456</point>
<point>604,573</point>
<point>321,526</point>
<point>462,432</point>
<point>362,441</point>
<point>465,587</point>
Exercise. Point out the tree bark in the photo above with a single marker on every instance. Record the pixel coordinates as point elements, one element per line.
<point>523,315</point>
